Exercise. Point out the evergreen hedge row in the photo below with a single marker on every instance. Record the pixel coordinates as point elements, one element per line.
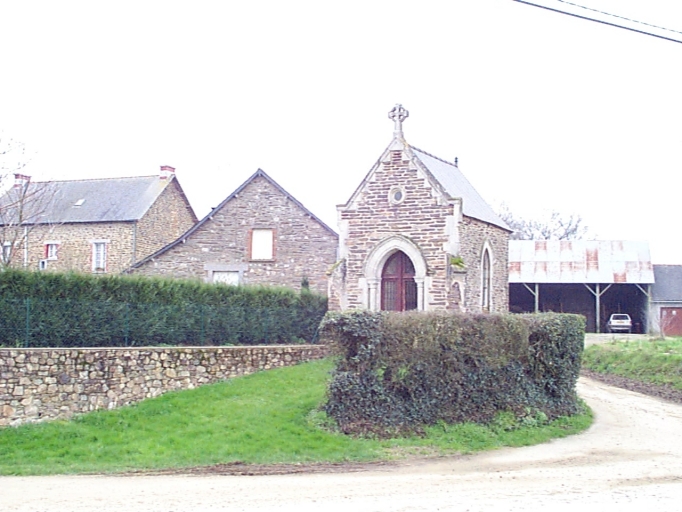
<point>41,309</point>
<point>399,372</point>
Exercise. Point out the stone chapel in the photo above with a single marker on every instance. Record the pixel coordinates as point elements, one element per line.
<point>416,235</point>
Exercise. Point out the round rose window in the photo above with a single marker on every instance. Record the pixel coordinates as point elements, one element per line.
<point>396,195</point>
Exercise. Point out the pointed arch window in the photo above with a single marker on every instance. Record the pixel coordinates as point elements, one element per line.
<point>486,281</point>
<point>398,287</point>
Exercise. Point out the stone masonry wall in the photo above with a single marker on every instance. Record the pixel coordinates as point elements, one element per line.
<point>75,245</point>
<point>434,224</point>
<point>474,235</point>
<point>420,216</point>
<point>169,217</point>
<point>40,384</point>
<point>302,248</point>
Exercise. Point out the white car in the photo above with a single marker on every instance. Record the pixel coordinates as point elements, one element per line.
<point>619,322</point>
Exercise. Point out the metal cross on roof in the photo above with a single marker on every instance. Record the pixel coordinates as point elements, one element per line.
<point>398,115</point>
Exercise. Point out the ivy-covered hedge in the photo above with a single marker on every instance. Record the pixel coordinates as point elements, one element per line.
<point>41,309</point>
<point>402,371</point>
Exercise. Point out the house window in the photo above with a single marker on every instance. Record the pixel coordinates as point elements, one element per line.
<point>231,277</point>
<point>485,281</point>
<point>6,252</point>
<point>262,244</point>
<point>99,256</point>
<point>51,251</point>
<point>230,273</point>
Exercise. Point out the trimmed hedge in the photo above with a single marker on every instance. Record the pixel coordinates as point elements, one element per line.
<point>402,371</point>
<point>41,309</point>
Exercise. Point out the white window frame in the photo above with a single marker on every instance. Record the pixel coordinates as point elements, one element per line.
<point>215,268</point>
<point>51,250</point>
<point>262,244</point>
<point>6,252</point>
<point>99,255</point>
<point>392,195</point>
<point>227,277</point>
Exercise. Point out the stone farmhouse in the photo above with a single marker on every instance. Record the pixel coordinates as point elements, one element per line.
<point>665,306</point>
<point>259,234</point>
<point>416,235</point>
<point>96,225</point>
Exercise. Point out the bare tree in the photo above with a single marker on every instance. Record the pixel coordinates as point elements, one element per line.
<point>556,226</point>
<point>13,159</point>
<point>22,204</point>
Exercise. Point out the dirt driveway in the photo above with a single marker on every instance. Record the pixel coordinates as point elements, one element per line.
<point>630,458</point>
<point>592,338</point>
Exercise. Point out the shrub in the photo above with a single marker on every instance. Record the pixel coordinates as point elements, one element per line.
<point>75,310</point>
<point>403,371</point>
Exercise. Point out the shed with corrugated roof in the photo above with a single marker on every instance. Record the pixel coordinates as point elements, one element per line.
<point>595,278</point>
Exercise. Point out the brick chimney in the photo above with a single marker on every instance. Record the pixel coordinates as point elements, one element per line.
<point>21,180</point>
<point>167,172</point>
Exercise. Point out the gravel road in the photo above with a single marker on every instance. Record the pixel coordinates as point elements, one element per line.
<point>631,457</point>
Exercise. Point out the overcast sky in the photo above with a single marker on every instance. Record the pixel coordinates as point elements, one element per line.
<point>544,111</point>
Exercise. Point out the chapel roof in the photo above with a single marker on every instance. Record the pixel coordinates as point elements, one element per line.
<point>456,184</point>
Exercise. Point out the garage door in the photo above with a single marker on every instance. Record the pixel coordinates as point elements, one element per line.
<point>671,321</point>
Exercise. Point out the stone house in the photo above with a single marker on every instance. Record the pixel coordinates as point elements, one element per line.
<point>415,234</point>
<point>259,235</point>
<point>665,303</point>
<point>96,225</point>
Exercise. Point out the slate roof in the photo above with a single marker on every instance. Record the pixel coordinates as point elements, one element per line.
<point>579,261</point>
<point>668,286</point>
<point>456,184</point>
<point>198,225</point>
<point>103,200</point>
<point>448,177</point>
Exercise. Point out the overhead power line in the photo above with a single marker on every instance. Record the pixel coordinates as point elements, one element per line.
<point>606,22</point>
<point>620,17</point>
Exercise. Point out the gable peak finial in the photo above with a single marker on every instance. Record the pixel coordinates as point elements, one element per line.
<point>398,115</point>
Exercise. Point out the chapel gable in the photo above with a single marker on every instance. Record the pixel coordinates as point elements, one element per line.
<point>416,235</point>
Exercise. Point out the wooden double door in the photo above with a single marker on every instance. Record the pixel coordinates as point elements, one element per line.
<point>398,287</point>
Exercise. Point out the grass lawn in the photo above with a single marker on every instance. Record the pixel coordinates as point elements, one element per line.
<point>655,361</point>
<point>266,418</point>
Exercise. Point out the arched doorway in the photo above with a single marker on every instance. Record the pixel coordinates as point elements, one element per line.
<point>398,287</point>
<point>376,263</point>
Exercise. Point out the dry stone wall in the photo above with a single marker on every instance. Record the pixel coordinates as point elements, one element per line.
<point>40,384</point>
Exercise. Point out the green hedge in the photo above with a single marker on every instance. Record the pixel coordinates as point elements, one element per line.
<point>402,371</point>
<point>40,309</point>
